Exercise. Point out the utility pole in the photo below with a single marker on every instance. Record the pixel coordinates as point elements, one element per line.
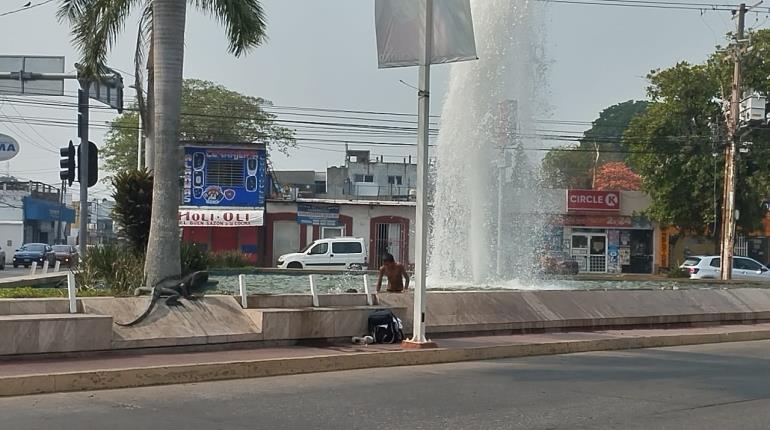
<point>728,194</point>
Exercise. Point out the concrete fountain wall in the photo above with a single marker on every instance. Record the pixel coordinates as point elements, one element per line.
<point>489,311</point>
<point>33,326</point>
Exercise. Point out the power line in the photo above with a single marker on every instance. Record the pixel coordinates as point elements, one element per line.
<point>25,8</point>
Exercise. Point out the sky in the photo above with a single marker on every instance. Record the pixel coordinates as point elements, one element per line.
<point>322,54</point>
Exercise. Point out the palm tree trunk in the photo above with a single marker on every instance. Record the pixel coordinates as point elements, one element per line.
<point>149,144</point>
<point>163,259</point>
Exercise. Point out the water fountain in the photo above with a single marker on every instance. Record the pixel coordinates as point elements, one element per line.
<point>486,221</point>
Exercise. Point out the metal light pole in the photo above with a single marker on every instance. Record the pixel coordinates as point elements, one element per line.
<point>83,102</point>
<point>421,246</point>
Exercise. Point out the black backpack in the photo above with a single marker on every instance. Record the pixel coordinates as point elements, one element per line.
<point>385,327</point>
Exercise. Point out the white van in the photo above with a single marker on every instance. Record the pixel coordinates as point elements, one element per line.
<point>328,254</point>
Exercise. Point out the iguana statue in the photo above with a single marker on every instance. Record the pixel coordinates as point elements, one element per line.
<point>190,287</point>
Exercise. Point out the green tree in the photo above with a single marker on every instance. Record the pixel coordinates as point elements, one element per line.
<point>678,143</point>
<point>210,112</point>
<point>95,26</point>
<point>574,167</point>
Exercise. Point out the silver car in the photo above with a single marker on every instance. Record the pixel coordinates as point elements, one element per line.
<point>708,267</point>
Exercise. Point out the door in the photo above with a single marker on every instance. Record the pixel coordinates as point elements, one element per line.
<point>389,238</point>
<point>317,256</point>
<point>285,238</point>
<point>590,251</point>
<point>597,262</point>
<point>744,268</point>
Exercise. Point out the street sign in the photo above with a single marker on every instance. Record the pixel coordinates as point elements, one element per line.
<point>9,147</point>
<point>23,67</point>
<point>108,91</point>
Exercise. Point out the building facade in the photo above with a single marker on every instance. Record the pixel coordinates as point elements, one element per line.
<point>32,212</point>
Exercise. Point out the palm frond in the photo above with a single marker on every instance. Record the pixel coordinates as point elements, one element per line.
<point>95,29</point>
<point>71,9</point>
<point>243,19</point>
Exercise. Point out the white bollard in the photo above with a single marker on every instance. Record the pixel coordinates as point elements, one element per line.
<point>72,293</point>
<point>34,268</point>
<point>57,266</point>
<point>45,267</point>
<point>242,287</point>
<point>369,300</point>
<point>313,291</point>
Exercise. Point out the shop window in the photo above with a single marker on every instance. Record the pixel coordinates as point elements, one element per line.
<point>328,232</point>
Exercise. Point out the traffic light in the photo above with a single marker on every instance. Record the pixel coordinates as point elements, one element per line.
<point>67,163</point>
<point>93,164</point>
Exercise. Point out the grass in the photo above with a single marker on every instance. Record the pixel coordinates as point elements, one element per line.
<point>35,293</point>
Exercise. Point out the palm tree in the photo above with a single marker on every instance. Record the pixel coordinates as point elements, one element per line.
<point>96,25</point>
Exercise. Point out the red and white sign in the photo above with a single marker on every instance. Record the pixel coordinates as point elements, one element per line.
<point>195,217</point>
<point>593,200</point>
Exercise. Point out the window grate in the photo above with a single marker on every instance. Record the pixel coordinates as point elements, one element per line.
<point>225,173</point>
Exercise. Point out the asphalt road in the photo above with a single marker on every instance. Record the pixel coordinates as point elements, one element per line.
<point>722,386</point>
<point>11,272</point>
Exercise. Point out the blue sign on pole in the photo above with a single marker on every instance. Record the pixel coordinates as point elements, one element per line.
<point>221,176</point>
<point>317,214</point>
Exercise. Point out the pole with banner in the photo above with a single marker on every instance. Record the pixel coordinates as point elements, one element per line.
<point>397,28</point>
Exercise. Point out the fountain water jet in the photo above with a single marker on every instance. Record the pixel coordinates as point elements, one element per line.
<point>487,115</point>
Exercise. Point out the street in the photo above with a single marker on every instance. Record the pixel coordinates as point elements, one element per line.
<point>10,272</point>
<point>717,386</point>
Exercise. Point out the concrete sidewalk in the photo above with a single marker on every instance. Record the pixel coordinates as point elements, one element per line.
<point>29,376</point>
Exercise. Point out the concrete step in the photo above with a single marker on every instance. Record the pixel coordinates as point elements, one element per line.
<point>45,333</point>
<point>35,306</point>
<point>315,323</point>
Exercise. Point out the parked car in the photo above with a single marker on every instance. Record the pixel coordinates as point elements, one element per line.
<point>2,259</point>
<point>708,267</point>
<point>33,252</point>
<point>332,253</point>
<point>558,263</point>
<point>66,254</point>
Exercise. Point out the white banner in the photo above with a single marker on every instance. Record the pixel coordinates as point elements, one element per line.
<point>400,26</point>
<point>221,217</point>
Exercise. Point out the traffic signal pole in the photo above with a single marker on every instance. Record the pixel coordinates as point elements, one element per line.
<point>728,193</point>
<point>83,102</point>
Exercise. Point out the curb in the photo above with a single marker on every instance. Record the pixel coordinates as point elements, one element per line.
<point>183,374</point>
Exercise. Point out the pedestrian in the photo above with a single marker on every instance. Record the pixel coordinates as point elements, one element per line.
<point>398,278</point>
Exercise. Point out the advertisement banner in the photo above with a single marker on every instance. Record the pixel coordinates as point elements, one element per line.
<point>593,200</point>
<point>400,27</point>
<point>196,217</point>
<point>225,176</point>
<point>318,214</point>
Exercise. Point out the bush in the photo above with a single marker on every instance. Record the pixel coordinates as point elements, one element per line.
<point>117,267</point>
<point>30,292</point>
<point>228,259</point>
<point>133,206</point>
<point>678,272</point>
<point>193,258</point>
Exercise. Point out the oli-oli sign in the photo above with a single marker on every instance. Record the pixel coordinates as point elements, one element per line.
<point>9,147</point>
<point>194,217</point>
<point>593,200</point>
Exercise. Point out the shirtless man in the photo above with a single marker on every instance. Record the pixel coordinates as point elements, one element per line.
<point>395,273</point>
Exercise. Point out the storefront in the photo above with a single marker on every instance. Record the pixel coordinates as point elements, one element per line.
<point>603,236</point>
<point>44,220</point>
<point>224,198</point>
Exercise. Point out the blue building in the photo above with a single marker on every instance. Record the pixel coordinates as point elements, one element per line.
<point>32,212</point>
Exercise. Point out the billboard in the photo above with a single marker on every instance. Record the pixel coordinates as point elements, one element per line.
<point>318,214</point>
<point>225,176</point>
